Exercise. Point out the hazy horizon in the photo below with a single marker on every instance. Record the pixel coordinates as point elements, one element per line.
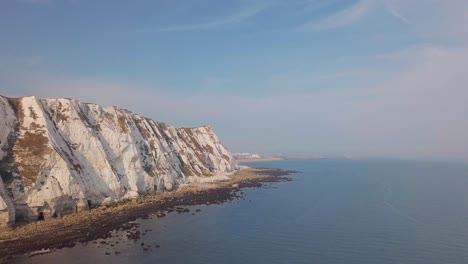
<point>363,78</point>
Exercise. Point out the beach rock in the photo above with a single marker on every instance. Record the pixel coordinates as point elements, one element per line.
<point>134,235</point>
<point>60,156</point>
<point>160,214</point>
<point>70,244</point>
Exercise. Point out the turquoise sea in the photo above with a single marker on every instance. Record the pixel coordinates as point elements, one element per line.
<point>334,211</point>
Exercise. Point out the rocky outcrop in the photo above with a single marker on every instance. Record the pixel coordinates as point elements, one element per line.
<point>58,156</point>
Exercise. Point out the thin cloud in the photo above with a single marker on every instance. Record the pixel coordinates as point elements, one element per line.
<point>420,113</point>
<point>35,1</point>
<point>394,12</point>
<point>353,14</point>
<point>46,2</point>
<point>231,19</point>
<point>341,18</point>
<point>413,53</point>
<point>34,60</point>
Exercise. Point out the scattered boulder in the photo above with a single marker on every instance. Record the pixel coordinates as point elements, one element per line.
<point>134,235</point>
<point>160,214</point>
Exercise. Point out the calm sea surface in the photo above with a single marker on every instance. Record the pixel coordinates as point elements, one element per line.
<point>335,211</point>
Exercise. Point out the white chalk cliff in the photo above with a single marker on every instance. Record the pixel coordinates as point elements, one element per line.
<point>59,156</point>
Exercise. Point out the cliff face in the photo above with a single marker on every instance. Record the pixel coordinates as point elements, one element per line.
<point>59,156</point>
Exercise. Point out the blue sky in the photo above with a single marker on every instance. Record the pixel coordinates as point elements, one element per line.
<point>365,78</point>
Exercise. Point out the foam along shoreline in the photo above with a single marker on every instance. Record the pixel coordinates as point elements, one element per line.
<point>46,236</point>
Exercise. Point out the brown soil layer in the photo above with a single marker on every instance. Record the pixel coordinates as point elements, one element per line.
<point>100,222</point>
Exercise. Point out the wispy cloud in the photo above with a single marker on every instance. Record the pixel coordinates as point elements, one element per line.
<point>353,14</point>
<point>238,17</point>
<point>395,12</point>
<point>418,114</point>
<point>46,2</point>
<point>413,53</point>
<point>36,1</point>
<point>13,63</point>
<point>34,60</point>
<point>342,17</point>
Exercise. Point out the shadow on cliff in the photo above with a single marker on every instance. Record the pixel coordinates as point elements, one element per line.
<point>114,161</point>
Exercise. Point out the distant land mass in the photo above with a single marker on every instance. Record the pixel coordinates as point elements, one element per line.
<point>253,157</point>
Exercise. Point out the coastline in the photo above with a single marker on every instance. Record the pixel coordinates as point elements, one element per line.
<point>258,160</point>
<point>82,227</point>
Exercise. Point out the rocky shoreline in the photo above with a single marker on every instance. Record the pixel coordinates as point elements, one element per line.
<point>86,226</point>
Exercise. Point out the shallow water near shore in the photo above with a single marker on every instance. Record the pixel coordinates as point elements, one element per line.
<point>334,211</point>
